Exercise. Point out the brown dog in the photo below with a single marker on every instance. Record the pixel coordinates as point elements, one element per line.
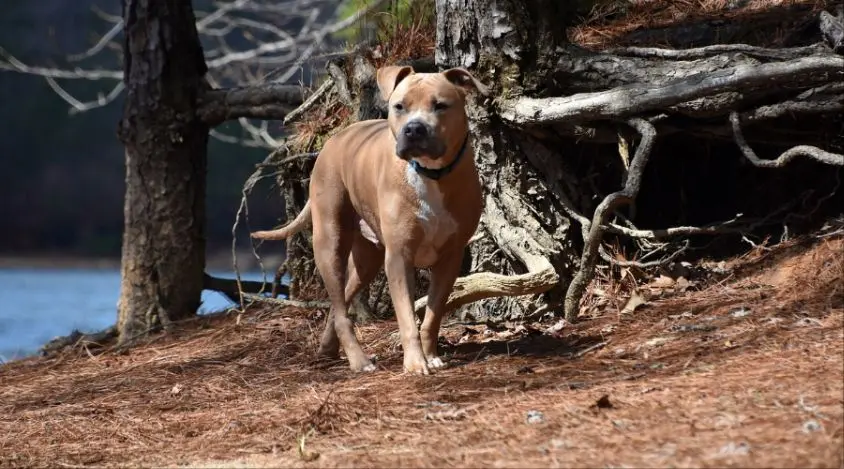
<point>402,193</point>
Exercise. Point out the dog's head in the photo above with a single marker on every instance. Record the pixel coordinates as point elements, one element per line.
<point>427,112</point>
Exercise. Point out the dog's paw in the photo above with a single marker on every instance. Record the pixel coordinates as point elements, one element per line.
<point>436,362</point>
<point>416,366</point>
<point>361,366</point>
<point>367,368</point>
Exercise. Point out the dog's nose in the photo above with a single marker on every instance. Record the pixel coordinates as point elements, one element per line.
<point>415,130</point>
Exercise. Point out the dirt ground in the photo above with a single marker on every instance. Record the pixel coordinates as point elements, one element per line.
<point>745,370</point>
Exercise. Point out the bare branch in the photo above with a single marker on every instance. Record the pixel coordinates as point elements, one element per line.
<point>708,51</point>
<point>266,101</point>
<point>79,106</point>
<point>100,45</point>
<point>287,303</point>
<point>252,143</point>
<point>316,37</point>
<point>231,289</point>
<point>596,231</point>
<point>801,150</point>
<point>13,64</point>
<point>637,99</point>
<point>309,103</point>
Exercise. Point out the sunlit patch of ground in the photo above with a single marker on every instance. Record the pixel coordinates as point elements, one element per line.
<point>745,372</point>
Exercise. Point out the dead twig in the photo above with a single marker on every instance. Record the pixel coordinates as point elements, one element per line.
<point>309,103</point>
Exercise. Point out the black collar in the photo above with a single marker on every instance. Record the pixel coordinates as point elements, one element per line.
<point>436,174</point>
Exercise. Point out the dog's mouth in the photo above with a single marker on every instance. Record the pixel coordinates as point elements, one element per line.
<point>408,149</point>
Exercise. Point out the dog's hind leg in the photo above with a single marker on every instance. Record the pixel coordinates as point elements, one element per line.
<point>365,261</point>
<point>331,253</point>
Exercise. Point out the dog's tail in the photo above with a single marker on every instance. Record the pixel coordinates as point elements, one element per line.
<point>302,221</point>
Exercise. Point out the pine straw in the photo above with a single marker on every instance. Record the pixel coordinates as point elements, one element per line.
<point>611,20</point>
<point>218,393</point>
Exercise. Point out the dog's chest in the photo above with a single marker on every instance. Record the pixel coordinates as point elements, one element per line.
<point>436,222</point>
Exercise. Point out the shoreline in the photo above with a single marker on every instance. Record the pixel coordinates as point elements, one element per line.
<point>216,261</point>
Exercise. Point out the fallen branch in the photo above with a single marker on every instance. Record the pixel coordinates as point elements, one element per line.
<point>230,288</point>
<point>265,101</point>
<point>610,203</point>
<point>248,298</point>
<point>801,150</point>
<point>94,339</point>
<point>518,244</point>
<point>637,99</point>
<point>708,51</point>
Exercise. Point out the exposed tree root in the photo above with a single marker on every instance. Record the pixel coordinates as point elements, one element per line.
<point>631,100</point>
<point>812,152</point>
<point>596,231</point>
<point>520,245</point>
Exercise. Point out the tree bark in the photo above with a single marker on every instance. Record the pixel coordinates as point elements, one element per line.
<point>163,256</point>
<point>512,46</point>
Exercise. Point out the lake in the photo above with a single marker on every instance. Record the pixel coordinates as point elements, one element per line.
<point>37,305</point>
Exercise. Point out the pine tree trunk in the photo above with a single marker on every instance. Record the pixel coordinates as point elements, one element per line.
<point>163,255</point>
<point>512,46</point>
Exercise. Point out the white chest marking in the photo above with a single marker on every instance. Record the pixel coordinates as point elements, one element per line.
<point>435,220</point>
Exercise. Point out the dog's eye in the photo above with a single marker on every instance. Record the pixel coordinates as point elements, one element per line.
<point>399,107</point>
<point>440,106</point>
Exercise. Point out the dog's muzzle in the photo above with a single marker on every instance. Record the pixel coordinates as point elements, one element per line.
<point>416,139</point>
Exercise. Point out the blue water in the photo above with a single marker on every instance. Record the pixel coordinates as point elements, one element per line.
<point>37,305</point>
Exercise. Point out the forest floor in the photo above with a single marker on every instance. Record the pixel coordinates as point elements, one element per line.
<point>744,370</point>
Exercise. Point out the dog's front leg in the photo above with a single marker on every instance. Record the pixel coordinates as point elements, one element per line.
<point>400,277</point>
<point>443,275</point>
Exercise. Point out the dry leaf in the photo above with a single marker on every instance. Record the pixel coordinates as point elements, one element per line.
<point>662,281</point>
<point>636,300</point>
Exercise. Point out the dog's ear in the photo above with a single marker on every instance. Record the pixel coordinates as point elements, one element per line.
<point>389,77</point>
<point>462,78</point>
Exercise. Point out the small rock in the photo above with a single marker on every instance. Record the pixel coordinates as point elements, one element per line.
<point>575,385</point>
<point>692,328</point>
<point>733,449</point>
<point>807,322</point>
<point>557,327</point>
<point>232,425</point>
<point>534,417</point>
<point>176,389</point>
<point>608,329</point>
<point>557,443</point>
<point>524,370</point>
<point>740,313</point>
<point>811,426</point>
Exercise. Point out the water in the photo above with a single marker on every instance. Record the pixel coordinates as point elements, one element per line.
<point>37,305</point>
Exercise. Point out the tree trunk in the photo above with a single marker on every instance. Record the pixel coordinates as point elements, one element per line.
<point>163,257</point>
<point>568,133</point>
<point>511,46</point>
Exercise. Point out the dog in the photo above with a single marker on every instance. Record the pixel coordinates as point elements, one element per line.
<point>402,193</point>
